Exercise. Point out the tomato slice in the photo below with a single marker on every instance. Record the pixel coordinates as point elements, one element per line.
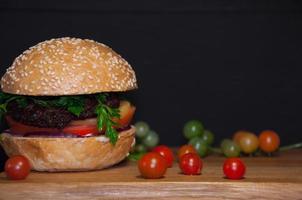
<point>82,130</point>
<point>20,128</point>
<point>126,113</point>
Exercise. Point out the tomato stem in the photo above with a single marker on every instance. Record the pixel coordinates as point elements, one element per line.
<point>215,150</point>
<point>292,146</point>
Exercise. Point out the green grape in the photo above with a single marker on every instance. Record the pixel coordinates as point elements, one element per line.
<point>200,146</point>
<point>140,148</point>
<point>151,139</point>
<point>142,129</point>
<point>208,137</point>
<point>230,148</point>
<point>193,128</point>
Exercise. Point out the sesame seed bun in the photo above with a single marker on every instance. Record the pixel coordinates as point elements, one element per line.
<point>69,154</point>
<point>68,66</point>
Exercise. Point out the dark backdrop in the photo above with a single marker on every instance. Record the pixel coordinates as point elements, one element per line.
<point>232,64</point>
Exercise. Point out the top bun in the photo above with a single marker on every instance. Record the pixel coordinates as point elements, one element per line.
<point>68,66</point>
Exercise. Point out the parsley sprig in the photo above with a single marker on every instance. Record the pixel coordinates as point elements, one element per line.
<point>105,116</point>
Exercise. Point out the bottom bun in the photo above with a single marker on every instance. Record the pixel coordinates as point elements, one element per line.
<point>69,154</point>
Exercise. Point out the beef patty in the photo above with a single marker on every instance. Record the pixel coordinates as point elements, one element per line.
<point>54,117</point>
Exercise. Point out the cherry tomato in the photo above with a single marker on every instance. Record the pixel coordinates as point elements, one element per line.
<point>234,168</point>
<point>17,167</point>
<point>185,149</point>
<point>248,143</point>
<point>190,164</point>
<point>208,137</point>
<point>152,165</point>
<point>269,141</point>
<point>151,139</point>
<point>142,128</point>
<point>230,148</point>
<point>237,135</point>
<point>193,128</point>
<point>165,152</point>
<point>200,146</point>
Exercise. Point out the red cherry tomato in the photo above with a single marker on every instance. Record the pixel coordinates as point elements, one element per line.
<point>165,152</point>
<point>248,143</point>
<point>190,164</point>
<point>184,149</point>
<point>17,167</point>
<point>239,134</point>
<point>233,168</point>
<point>152,165</point>
<point>269,141</point>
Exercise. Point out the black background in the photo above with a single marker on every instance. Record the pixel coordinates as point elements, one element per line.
<point>231,64</point>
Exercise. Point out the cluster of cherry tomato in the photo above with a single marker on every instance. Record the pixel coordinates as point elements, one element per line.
<point>247,142</point>
<point>155,163</point>
<point>199,137</point>
<point>243,141</point>
<point>146,139</point>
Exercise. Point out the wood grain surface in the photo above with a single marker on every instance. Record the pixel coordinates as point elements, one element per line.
<point>278,177</point>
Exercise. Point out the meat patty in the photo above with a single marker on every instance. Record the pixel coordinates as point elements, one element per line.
<point>48,117</point>
<point>54,117</point>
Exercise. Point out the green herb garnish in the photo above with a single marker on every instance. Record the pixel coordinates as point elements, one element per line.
<point>6,98</point>
<point>74,104</point>
<point>105,114</point>
<point>135,156</point>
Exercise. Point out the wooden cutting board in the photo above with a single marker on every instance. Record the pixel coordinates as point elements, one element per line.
<point>277,177</point>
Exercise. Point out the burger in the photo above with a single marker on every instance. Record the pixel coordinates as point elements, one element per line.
<point>63,102</point>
